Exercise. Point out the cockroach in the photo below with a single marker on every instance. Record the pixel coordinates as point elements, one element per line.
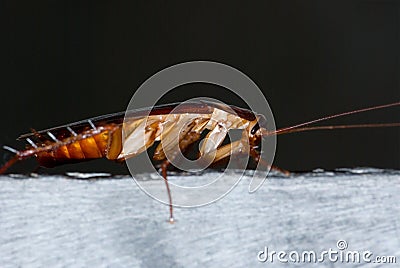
<point>101,136</point>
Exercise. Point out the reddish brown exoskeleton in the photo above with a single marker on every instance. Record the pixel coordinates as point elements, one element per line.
<point>180,124</point>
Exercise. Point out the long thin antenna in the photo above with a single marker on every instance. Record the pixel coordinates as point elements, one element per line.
<point>298,127</point>
<point>301,129</point>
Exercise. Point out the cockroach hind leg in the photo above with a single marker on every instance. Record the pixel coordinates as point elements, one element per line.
<point>10,161</point>
<point>18,156</point>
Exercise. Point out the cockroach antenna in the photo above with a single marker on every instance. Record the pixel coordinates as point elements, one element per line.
<point>304,126</point>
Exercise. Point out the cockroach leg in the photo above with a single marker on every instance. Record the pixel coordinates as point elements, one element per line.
<point>164,167</point>
<point>19,155</point>
<point>9,163</point>
<point>256,156</point>
<point>226,151</point>
<point>237,147</point>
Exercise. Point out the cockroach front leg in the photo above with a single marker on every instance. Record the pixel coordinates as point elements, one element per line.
<point>257,157</point>
<point>237,147</point>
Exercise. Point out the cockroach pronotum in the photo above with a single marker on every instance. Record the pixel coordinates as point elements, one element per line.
<point>102,136</point>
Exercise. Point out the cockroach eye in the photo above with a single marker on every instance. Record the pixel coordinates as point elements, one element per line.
<point>262,121</point>
<point>255,128</point>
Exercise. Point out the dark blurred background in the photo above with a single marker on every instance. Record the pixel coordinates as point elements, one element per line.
<point>69,60</point>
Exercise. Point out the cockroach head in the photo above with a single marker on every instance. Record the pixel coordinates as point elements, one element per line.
<point>258,128</point>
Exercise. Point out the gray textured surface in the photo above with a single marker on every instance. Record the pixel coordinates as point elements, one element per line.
<point>59,222</point>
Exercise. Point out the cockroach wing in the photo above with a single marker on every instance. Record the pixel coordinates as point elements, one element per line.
<point>140,134</point>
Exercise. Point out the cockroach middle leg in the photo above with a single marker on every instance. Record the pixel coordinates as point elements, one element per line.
<point>164,167</point>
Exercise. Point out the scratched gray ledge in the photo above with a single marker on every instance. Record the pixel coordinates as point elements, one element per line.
<point>56,221</point>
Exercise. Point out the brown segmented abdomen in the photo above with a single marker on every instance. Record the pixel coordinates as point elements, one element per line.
<point>105,144</point>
